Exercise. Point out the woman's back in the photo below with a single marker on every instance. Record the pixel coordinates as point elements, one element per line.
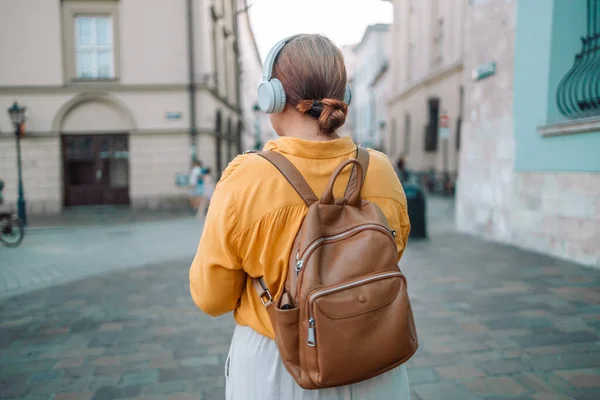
<point>259,214</point>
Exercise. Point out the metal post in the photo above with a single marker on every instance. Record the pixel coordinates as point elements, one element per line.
<point>192,80</point>
<point>446,177</point>
<point>21,206</point>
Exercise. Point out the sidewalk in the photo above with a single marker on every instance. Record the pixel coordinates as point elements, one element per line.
<point>493,322</point>
<point>102,216</point>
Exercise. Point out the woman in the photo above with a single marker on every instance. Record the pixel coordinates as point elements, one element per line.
<point>255,215</point>
<point>197,184</point>
<point>208,189</point>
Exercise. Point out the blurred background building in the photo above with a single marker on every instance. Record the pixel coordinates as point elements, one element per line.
<point>371,56</point>
<point>117,104</point>
<point>506,95</point>
<point>426,71</point>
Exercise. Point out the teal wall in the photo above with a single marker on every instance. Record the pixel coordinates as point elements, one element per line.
<point>547,37</point>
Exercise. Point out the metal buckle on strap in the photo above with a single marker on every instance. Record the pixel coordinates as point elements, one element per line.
<point>269,298</point>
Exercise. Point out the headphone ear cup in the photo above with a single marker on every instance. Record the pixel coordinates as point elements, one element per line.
<point>266,97</point>
<point>279,95</point>
<point>348,95</point>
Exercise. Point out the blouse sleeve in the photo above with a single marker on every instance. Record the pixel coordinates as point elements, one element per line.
<point>216,275</point>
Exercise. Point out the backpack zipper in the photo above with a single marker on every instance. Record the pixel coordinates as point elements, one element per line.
<point>314,296</point>
<point>301,260</point>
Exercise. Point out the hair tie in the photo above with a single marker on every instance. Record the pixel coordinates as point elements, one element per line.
<point>316,109</point>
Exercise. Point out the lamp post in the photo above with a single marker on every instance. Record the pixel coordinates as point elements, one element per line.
<point>257,130</point>
<point>17,115</point>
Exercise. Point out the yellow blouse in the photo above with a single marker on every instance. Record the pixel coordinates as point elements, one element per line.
<point>255,215</point>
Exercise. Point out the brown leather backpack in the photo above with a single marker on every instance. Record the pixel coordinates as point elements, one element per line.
<point>344,315</point>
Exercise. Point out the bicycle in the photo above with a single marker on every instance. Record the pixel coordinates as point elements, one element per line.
<point>12,229</point>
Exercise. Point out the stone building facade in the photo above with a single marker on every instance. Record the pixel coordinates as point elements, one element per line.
<point>120,96</point>
<point>426,68</point>
<point>529,174</point>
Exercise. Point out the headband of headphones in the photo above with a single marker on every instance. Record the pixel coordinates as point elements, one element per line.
<point>272,56</point>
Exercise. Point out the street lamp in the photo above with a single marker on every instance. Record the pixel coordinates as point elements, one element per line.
<point>257,130</point>
<point>17,115</point>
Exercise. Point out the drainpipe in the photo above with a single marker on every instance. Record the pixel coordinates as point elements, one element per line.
<point>192,79</point>
<point>238,81</point>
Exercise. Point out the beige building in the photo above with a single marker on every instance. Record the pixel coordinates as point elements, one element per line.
<point>426,67</point>
<point>120,96</point>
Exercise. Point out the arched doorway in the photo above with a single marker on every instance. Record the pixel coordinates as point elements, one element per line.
<point>94,132</point>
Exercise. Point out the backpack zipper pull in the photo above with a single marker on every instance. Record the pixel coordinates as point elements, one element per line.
<point>299,263</point>
<point>311,332</point>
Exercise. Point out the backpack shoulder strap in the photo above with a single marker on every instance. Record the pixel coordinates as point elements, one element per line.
<point>290,173</point>
<point>362,155</point>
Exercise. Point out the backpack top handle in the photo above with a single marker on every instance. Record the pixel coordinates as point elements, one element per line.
<point>353,196</point>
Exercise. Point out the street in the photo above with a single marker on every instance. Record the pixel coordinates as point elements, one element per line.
<point>493,321</point>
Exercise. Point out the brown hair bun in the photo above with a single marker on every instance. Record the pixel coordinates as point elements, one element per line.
<point>312,67</point>
<point>330,113</point>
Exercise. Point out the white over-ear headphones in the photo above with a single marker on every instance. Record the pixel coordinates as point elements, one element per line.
<point>271,95</point>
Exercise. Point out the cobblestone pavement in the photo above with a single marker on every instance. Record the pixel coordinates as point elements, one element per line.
<point>493,321</point>
<point>51,256</point>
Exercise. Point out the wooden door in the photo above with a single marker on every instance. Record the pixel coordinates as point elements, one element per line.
<point>96,169</point>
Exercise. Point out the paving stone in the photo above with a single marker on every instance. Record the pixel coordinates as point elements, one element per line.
<point>46,375</point>
<point>140,377</point>
<point>459,372</point>
<point>74,396</point>
<point>75,372</point>
<point>111,393</point>
<point>443,390</point>
<point>545,382</point>
<point>31,366</point>
<point>13,389</point>
<point>166,388</point>
<point>173,374</point>
<point>184,396</point>
<point>505,367</point>
<point>197,361</point>
<point>496,386</point>
<point>422,375</point>
<point>586,394</point>
<point>563,361</point>
<point>69,363</point>
<point>550,396</point>
<point>581,378</point>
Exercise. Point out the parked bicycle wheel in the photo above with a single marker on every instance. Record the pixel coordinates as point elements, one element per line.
<point>12,230</point>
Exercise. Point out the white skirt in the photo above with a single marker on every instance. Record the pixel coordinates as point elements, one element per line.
<point>254,371</point>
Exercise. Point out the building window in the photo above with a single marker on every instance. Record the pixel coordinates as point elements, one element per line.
<point>577,96</point>
<point>438,43</point>
<point>409,61</point>
<point>406,134</point>
<point>461,101</point>
<point>91,40</point>
<point>94,52</point>
<point>431,130</point>
<point>393,138</point>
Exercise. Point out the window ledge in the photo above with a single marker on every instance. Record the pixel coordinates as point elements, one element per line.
<point>583,125</point>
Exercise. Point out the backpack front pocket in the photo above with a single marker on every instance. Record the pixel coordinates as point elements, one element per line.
<point>356,329</point>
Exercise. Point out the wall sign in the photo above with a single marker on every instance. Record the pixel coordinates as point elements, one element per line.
<point>173,115</point>
<point>484,70</point>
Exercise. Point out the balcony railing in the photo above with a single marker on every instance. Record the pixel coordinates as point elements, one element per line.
<point>578,94</point>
